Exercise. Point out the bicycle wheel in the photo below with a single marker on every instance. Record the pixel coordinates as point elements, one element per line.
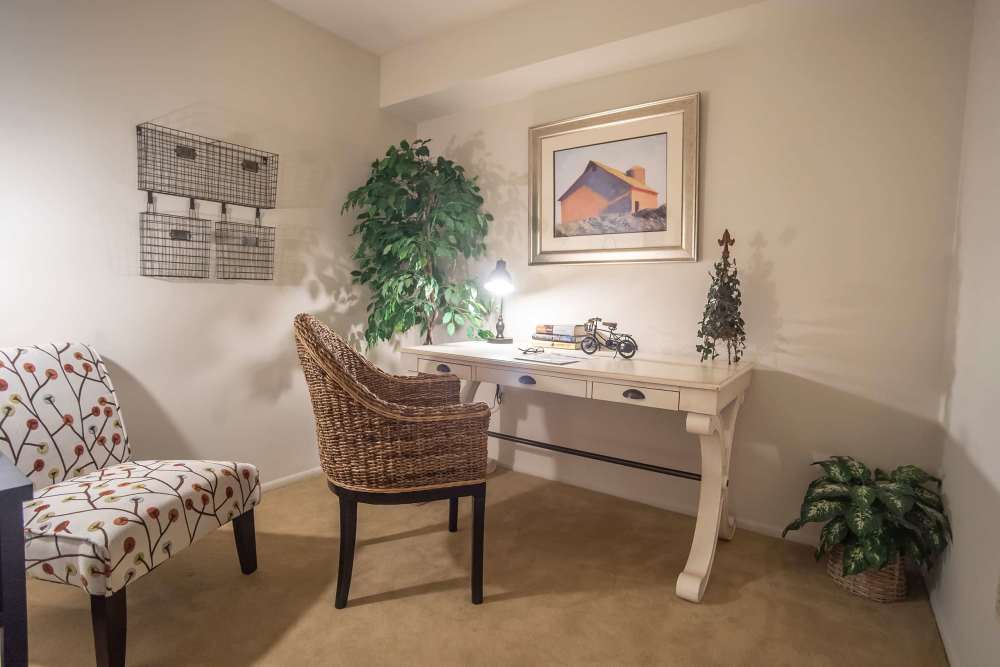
<point>589,344</point>
<point>627,347</point>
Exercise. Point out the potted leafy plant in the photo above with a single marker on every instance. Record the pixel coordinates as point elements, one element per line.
<point>419,220</point>
<point>873,522</point>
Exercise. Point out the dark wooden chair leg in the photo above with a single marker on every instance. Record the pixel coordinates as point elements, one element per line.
<point>478,530</point>
<point>246,542</point>
<point>109,619</point>
<point>453,515</point>
<point>348,533</point>
<point>13,594</point>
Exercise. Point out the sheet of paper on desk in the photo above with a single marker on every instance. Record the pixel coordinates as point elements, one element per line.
<point>558,359</point>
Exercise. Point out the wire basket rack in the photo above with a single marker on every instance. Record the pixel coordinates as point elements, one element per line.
<point>244,251</point>
<point>174,246</point>
<point>185,164</point>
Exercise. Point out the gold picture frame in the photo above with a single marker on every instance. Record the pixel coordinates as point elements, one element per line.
<point>608,167</point>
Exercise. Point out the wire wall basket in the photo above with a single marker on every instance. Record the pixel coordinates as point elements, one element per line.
<point>244,251</point>
<point>185,164</point>
<point>174,246</point>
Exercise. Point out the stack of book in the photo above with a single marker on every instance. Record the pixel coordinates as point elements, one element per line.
<point>560,336</point>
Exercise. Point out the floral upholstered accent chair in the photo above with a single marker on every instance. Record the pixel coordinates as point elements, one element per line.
<point>99,519</point>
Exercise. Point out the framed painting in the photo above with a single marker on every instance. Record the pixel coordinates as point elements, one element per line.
<point>617,186</point>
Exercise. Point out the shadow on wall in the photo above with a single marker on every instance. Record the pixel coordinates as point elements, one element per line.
<point>140,404</point>
<point>505,195</point>
<point>327,279</point>
<point>965,583</point>
<point>789,421</point>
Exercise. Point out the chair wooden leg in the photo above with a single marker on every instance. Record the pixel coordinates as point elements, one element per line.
<point>109,619</point>
<point>246,541</point>
<point>453,515</point>
<point>13,595</point>
<point>348,533</point>
<point>478,530</point>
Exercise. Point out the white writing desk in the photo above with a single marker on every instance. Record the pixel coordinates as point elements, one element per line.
<point>710,394</point>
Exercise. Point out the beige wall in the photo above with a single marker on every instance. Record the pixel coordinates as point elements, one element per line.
<point>830,147</point>
<point>966,596</point>
<point>203,368</point>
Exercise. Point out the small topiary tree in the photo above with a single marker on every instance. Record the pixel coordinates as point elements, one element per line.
<point>722,319</point>
<point>419,220</point>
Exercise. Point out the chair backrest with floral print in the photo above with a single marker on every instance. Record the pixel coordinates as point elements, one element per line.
<point>58,412</point>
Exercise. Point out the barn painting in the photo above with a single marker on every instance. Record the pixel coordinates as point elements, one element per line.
<point>611,188</point>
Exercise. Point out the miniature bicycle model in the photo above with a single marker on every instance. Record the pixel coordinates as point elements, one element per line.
<point>596,338</point>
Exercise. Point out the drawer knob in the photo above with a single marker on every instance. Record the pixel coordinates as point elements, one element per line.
<point>526,379</point>
<point>633,394</point>
<point>443,368</point>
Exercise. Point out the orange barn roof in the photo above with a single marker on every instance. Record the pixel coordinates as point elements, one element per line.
<point>620,175</point>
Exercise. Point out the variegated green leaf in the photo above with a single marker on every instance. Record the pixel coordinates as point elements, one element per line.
<point>910,475</point>
<point>938,517</point>
<point>828,490</point>
<point>876,553</point>
<point>854,559</point>
<point>899,488</point>
<point>862,520</point>
<point>863,495</point>
<point>833,533</point>
<point>911,549</point>
<point>794,525</point>
<point>858,470</point>
<point>897,503</point>
<point>928,497</point>
<point>835,471</point>
<point>822,510</point>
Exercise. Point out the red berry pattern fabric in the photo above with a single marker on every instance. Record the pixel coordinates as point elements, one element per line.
<point>58,412</point>
<point>98,519</point>
<point>104,530</point>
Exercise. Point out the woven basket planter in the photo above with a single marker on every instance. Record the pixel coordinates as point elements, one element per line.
<point>885,585</point>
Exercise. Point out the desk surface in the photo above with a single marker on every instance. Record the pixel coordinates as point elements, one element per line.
<point>679,372</point>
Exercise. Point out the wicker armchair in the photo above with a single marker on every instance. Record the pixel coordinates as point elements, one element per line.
<point>387,440</point>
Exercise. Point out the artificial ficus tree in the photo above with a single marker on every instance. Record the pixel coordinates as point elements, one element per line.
<point>420,220</point>
<point>722,320</point>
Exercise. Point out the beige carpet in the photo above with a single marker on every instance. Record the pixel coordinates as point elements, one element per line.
<point>572,577</point>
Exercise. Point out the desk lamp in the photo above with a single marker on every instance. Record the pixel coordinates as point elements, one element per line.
<point>500,284</point>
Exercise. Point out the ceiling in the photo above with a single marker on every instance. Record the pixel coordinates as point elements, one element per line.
<point>380,26</point>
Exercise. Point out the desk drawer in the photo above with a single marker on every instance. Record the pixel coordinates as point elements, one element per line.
<point>623,393</point>
<point>524,379</point>
<point>430,366</point>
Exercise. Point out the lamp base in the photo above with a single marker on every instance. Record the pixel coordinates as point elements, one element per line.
<point>506,341</point>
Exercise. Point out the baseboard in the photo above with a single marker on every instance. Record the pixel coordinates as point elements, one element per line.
<point>290,479</point>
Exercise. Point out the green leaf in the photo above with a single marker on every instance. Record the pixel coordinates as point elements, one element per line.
<point>928,497</point>
<point>897,497</point>
<point>447,317</point>
<point>451,328</point>
<point>862,520</point>
<point>863,495</point>
<point>827,489</point>
<point>858,470</point>
<point>876,552</point>
<point>854,559</point>
<point>794,525</point>
<point>835,471</point>
<point>833,533</point>
<point>939,518</point>
<point>821,510</point>
<point>909,474</point>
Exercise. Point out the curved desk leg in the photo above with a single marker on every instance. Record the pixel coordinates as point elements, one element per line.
<point>468,395</point>
<point>714,522</point>
<point>468,391</point>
